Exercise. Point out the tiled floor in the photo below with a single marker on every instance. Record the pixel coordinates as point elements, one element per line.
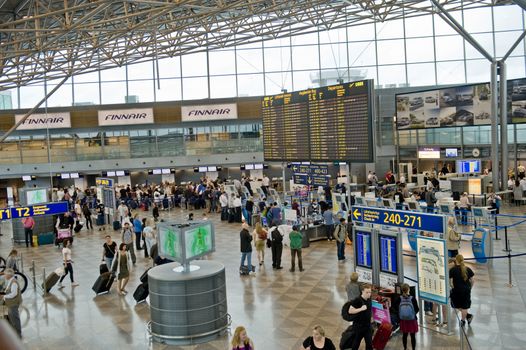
<point>277,307</point>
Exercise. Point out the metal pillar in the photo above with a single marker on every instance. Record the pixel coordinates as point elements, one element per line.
<point>494,129</point>
<point>503,124</point>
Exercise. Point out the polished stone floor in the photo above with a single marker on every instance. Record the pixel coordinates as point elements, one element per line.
<point>277,307</point>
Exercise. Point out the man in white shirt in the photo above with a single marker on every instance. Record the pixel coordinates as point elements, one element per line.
<point>123,211</point>
<point>265,183</point>
<point>12,299</point>
<point>523,183</point>
<point>223,201</point>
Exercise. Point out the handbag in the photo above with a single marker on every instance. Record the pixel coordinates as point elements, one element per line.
<point>269,243</point>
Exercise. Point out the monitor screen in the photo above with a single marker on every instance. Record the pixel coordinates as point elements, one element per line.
<point>387,203</point>
<point>249,166</point>
<point>359,201</point>
<point>36,196</point>
<point>412,205</point>
<point>74,175</point>
<point>170,244</point>
<point>388,254</point>
<point>212,168</point>
<point>363,249</point>
<point>371,202</point>
<point>444,208</point>
<point>451,152</point>
<point>198,241</point>
<point>258,166</point>
<point>120,173</point>
<point>470,166</point>
<point>166,171</point>
<point>203,169</point>
<point>26,178</point>
<point>111,173</point>
<point>157,171</point>
<point>64,176</point>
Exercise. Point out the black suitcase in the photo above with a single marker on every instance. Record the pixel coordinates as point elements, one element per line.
<point>103,283</point>
<point>100,220</point>
<point>141,293</point>
<point>51,280</point>
<point>166,204</point>
<point>116,225</point>
<point>144,276</point>
<point>77,228</point>
<point>103,268</point>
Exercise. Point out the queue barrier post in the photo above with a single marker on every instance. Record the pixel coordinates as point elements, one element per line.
<point>44,282</point>
<point>33,271</point>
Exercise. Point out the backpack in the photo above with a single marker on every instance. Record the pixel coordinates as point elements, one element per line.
<point>345,312</point>
<point>262,235</point>
<point>276,236</point>
<point>406,310</point>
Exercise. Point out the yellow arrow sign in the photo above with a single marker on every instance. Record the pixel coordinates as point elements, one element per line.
<point>356,213</point>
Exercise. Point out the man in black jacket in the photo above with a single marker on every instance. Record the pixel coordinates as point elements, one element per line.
<point>276,247</point>
<point>246,248</point>
<point>361,308</point>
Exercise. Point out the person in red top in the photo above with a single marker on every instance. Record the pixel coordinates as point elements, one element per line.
<point>389,177</point>
<point>29,224</point>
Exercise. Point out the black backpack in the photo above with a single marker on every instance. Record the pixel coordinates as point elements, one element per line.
<point>276,236</point>
<point>345,312</point>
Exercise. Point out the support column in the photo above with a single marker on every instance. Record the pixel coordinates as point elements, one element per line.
<point>494,129</point>
<point>503,123</point>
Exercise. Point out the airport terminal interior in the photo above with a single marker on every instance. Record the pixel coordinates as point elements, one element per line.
<point>207,118</point>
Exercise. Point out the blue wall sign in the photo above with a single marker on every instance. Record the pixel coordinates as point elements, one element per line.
<point>314,169</point>
<point>398,218</point>
<point>311,180</point>
<point>33,210</point>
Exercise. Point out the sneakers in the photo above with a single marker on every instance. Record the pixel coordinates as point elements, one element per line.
<point>469,318</point>
<point>301,270</point>
<point>74,284</point>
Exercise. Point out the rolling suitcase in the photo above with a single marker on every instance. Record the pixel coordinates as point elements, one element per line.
<point>77,227</point>
<point>116,225</point>
<point>243,270</point>
<point>100,219</point>
<point>144,276</point>
<point>103,283</point>
<point>51,280</point>
<point>141,293</point>
<point>103,268</point>
<point>381,337</point>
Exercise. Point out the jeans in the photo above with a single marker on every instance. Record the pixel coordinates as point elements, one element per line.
<point>293,253</point>
<point>329,230</point>
<point>247,256</point>
<point>29,236</point>
<point>69,269</point>
<point>340,249</point>
<point>464,216</point>
<point>89,223</point>
<point>109,261</point>
<point>138,240</point>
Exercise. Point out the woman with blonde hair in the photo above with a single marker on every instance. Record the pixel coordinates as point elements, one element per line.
<point>461,282</point>
<point>260,239</point>
<point>318,341</point>
<point>240,340</point>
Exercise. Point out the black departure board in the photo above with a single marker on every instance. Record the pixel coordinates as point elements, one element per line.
<point>331,123</point>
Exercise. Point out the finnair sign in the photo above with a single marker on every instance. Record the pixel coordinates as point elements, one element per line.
<point>126,117</point>
<point>44,121</point>
<point>208,112</point>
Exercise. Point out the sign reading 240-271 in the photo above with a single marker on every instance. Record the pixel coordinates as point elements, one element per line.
<point>398,218</point>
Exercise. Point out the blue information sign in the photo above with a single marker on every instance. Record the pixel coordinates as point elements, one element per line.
<point>388,254</point>
<point>363,249</point>
<point>399,218</point>
<point>315,169</point>
<point>311,180</point>
<point>33,210</point>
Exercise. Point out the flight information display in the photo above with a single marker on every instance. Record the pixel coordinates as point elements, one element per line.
<point>388,254</point>
<point>331,123</point>
<point>363,249</point>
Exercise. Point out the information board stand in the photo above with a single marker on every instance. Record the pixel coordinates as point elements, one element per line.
<point>363,254</point>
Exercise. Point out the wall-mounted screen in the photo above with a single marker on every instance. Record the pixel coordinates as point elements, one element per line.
<point>212,168</point>
<point>429,152</point>
<point>74,175</point>
<point>36,196</point>
<point>363,249</point>
<point>64,176</point>
<point>120,173</point>
<point>166,171</point>
<point>110,173</point>
<point>258,166</point>
<point>26,178</point>
<point>470,166</point>
<point>388,254</point>
<point>249,166</point>
<point>203,169</point>
<point>451,152</point>
<point>465,105</point>
<point>157,171</point>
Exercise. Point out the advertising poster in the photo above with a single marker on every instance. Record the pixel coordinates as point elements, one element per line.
<point>432,269</point>
<point>459,106</point>
<point>36,196</point>
<point>517,100</point>
<point>198,241</point>
<point>380,313</point>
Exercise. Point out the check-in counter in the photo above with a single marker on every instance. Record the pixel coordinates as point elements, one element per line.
<point>313,233</point>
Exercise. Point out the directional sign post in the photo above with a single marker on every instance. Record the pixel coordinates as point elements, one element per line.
<point>315,169</point>
<point>311,180</point>
<point>33,210</point>
<point>399,218</point>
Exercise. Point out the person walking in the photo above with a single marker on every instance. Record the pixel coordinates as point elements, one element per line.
<point>246,247</point>
<point>127,238</point>
<point>122,265</point>
<point>461,282</point>
<point>12,299</point>
<point>340,233</point>
<point>260,238</point>
<point>318,340</point>
<point>137,228</point>
<point>29,225</point>
<point>464,206</point>
<point>87,214</point>
<point>296,242</point>
<point>108,251</point>
<point>353,287</point>
<point>276,247</point>
<point>361,308</point>
<point>240,340</point>
<point>149,236</point>
<point>328,219</point>
<point>407,307</point>
<point>68,264</point>
<point>453,238</point>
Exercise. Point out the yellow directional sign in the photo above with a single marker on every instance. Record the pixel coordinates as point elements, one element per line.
<point>356,213</point>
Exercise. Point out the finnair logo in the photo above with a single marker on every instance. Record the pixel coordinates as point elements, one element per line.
<point>126,117</point>
<point>198,112</point>
<point>209,112</point>
<point>43,121</point>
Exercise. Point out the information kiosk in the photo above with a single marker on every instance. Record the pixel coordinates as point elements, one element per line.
<point>363,253</point>
<point>481,244</point>
<point>390,271</point>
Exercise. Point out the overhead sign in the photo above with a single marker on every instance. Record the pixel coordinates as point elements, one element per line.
<point>310,169</point>
<point>209,112</point>
<point>102,181</point>
<point>399,218</point>
<point>33,210</point>
<point>126,116</point>
<point>44,121</point>
<point>431,265</point>
<point>311,180</point>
